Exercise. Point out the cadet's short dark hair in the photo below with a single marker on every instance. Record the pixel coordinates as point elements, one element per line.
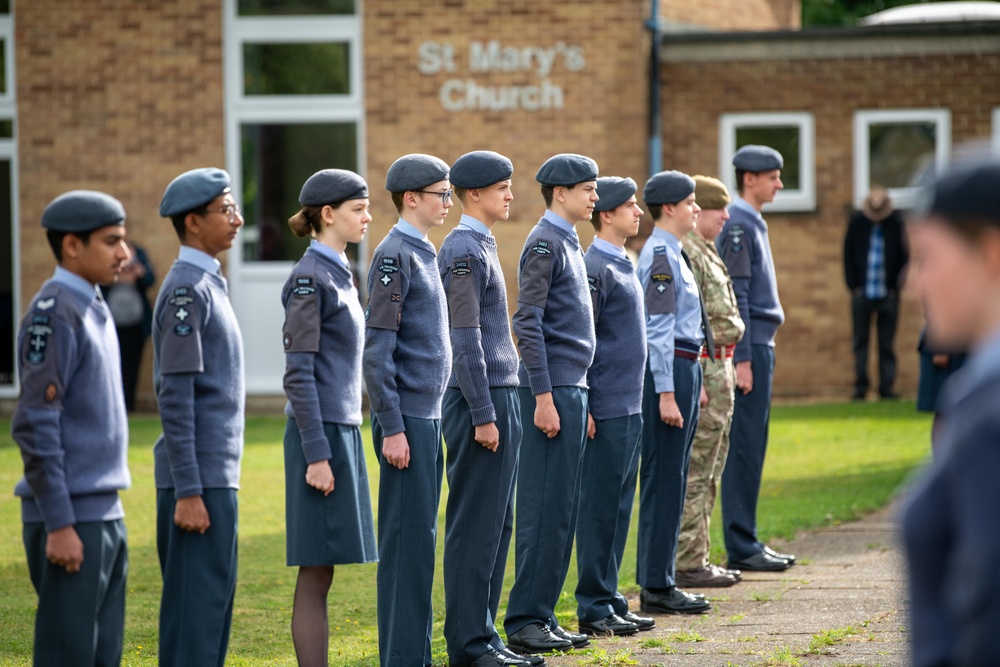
<point>56,240</point>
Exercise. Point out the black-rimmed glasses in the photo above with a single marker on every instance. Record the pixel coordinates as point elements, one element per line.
<point>445,196</point>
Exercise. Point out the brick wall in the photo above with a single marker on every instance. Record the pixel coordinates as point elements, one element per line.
<point>743,15</point>
<point>814,353</point>
<point>119,96</point>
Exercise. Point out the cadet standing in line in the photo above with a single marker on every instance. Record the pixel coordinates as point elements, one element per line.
<point>328,511</point>
<point>711,440</point>
<point>198,375</point>
<point>745,248</point>
<point>614,420</point>
<point>672,390</point>
<point>554,323</point>
<point>71,427</point>
<point>407,360</point>
<point>951,526</point>
<point>481,417</point>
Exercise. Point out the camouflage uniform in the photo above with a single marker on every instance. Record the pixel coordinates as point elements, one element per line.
<point>711,440</point>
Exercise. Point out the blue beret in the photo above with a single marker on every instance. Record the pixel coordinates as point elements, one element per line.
<point>192,190</point>
<point>415,172</point>
<point>566,169</point>
<point>331,186</point>
<point>479,169</point>
<point>613,192</point>
<point>757,158</point>
<point>970,189</point>
<point>81,211</point>
<point>667,187</point>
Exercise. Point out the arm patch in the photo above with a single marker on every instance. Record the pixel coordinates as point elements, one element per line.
<point>385,295</point>
<point>735,252</point>
<point>535,277</point>
<point>661,293</point>
<point>594,283</point>
<point>463,294</point>
<point>303,321</point>
<point>181,321</point>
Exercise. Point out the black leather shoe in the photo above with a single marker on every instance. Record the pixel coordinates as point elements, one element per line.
<point>642,622</point>
<point>578,640</point>
<point>761,562</point>
<point>771,552</point>
<point>494,658</point>
<point>609,627</point>
<point>708,576</point>
<point>537,638</point>
<point>672,601</point>
<point>533,660</point>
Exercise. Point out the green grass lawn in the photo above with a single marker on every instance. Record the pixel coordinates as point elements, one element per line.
<point>826,464</point>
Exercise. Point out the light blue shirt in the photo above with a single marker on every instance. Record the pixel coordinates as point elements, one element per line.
<point>71,280</point>
<point>739,202</point>
<point>408,229</point>
<point>470,223</point>
<point>327,251</point>
<point>608,248</point>
<point>560,222</point>
<point>684,324</point>
<point>202,260</point>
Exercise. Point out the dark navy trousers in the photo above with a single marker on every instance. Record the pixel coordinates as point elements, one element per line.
<point>199,581</point>
<point>407,530</point>
<point>478,523</point>
<point>80,619</point>
<point>607,493</point>
<point>666,455</point>
<point>548,494</point>
<point>745,465</point>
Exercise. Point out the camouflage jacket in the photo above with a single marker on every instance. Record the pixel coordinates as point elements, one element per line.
<point>717,288</point>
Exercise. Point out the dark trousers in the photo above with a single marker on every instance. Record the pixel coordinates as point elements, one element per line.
<point>479,519</point>
<point>886,313</point>
<point>199,581</point>
<point>407,530</point>
<point>666,455</point>
<point>607,492</point>
<point>81,616</point>
<point>548,495</point>
<point>131,341</point>
<point>745,464</point>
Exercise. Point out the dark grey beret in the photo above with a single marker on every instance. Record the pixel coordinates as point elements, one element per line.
<point>81,211</point>
<point>970,189</point>
<point>331,186</point>
<point>415,172</point>
<point>757,158</point>
<point>479,169</point>
<point>566,169</point>
<point>667,187</point>
<point>192,190</point>
<point>613,192</point>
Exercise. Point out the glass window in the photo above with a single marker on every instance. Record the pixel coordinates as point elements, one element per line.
<point>296,69</point>
<point>4,7</point>
<point>893,148</point>
<point>8,314</point>
<point>789,133</point>
<point>3,66</point>
<point>295,7</point>
<point>277,160</point>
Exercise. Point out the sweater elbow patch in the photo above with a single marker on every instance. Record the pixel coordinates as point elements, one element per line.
<point>736,254</point>
<point>661,295</point>
<point>303,322</point>
<point>463,294</point>
<point>535,278</point>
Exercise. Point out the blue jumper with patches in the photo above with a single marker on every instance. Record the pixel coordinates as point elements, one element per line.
<point>70,420</point>
<point>745,248</point>
<point>199,380</point>
<point>554,321</point>
<point>615,377</point>
<point>482,347</point>
<point>407,357</point>
<point>322,382</point>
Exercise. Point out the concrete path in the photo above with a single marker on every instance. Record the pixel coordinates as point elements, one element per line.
<point>843,605</point>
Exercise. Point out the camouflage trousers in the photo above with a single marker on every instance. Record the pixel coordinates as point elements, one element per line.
<point>708,459</point>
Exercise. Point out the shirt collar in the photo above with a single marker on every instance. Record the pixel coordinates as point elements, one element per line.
<point>408,229</point>
<point>201,259</point>
<point>560,222</point>
<point>664,235</point>
<point>739,202</point>
<point>327,251</point>
<point>76,283</point>
<point>474,225</point>
<point>609,248</point>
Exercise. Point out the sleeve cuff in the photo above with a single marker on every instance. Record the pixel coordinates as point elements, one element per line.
<point>540,382</point>
<point>391,421</point>
<point>57,512</point>
<point>315,446</point>
<point>484,415</point>
<point>187,482</point>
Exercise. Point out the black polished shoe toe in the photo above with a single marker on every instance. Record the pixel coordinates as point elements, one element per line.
<point>771,552</point>
<point>532,660</point>
<point>578,640</point>
<point>642,622</point>
<point>609,627</point>
<point>672,601</point>
<point>494,658</point>
<point>761,562</point>
<point>537,638</point>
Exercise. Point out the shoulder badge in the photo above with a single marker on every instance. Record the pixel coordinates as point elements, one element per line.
<point>181,297</point>
<point>660,250</point>
<point>594,282</point>
<point>461,267</point>
<point>38,337</point>
<point>303,287</point>
<point>46,304</point>
<point>183,330</point>
<point>541,247</point>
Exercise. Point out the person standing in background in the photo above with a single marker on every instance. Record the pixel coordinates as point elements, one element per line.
<point>328,510</point>
<point>133,313</point>
<point>875,257</point>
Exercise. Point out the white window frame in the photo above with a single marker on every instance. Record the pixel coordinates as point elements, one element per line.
<point>8,151</point>
<point>804,197</point>
<point>996,131</point>
<point>902,198</point>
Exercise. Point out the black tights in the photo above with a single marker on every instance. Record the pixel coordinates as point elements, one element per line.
<point>310,626</point>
